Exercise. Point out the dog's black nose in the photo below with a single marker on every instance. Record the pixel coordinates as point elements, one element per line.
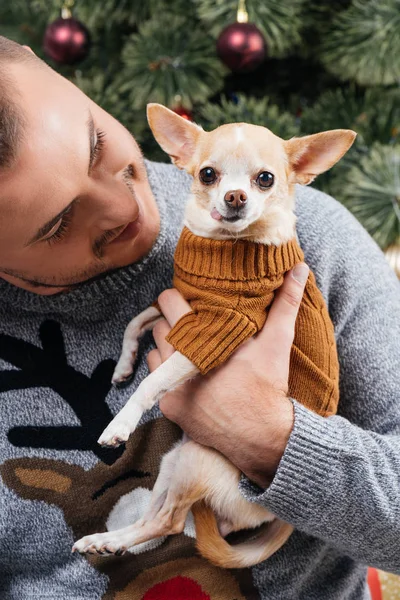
<point>235,198</point>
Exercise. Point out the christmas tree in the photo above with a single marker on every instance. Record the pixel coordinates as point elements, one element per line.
<point>295,66</point>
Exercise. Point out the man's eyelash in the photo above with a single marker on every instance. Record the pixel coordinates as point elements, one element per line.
<point>100,135</point>
<point>62,230</point>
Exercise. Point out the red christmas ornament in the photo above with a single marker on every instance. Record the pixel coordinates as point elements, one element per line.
<point>183,112</point>
<point>66,41</point>
<point>241,47</point>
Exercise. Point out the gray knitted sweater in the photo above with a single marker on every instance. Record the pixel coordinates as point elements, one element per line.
<point>338,482</point>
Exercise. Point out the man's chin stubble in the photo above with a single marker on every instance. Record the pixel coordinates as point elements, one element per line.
<point>69,284</point>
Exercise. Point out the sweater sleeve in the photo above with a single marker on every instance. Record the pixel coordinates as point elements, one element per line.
<point>339,477</point>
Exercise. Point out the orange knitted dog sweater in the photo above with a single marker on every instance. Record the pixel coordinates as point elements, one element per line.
<point>230,286</point>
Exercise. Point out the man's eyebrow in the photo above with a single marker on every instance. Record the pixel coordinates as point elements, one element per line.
<point>50,224</point>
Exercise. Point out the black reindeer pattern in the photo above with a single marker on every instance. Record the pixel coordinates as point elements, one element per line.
<point>87,498</point>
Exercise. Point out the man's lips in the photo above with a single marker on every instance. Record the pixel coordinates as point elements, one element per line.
<point>130,231</point>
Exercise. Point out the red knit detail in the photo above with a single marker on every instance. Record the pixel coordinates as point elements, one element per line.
<point>374,584</point>
<point>177,588</point>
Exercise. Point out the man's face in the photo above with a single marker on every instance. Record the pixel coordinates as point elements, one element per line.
<point>78,183</point>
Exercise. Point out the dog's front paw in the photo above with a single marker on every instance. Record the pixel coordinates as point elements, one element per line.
<point>115,434</point>
<point>121,427</point>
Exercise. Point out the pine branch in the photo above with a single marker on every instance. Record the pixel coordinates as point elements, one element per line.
<point>126,14</point>
<point>364,43</point>
<point>162,63</point>
<point>248,110</point>
<point>24,22</point>
<point>373,113</point>
<point>371,190</point>
<point>335,109</point>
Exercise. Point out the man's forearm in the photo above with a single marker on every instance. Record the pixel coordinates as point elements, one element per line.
<point>341,484</point>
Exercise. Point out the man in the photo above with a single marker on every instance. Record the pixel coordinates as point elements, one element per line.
<point>87,234</point>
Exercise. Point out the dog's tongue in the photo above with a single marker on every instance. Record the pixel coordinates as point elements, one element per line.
<point>215,214</point>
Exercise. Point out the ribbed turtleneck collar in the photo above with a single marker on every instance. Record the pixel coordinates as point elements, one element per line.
<point>234,260</point>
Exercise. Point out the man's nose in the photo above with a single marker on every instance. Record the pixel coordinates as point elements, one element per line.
<point>235,198</point>
<point>113,205</point>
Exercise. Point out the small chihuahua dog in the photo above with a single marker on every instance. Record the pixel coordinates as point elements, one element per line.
<point>243,188</point>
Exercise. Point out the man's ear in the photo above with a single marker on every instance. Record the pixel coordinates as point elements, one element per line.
<point>177,136</point>
<point>313,154</point>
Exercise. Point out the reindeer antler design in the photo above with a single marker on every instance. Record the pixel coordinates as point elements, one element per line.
<point>48,367</point>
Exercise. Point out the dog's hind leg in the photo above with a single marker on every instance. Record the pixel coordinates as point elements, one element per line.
<point>143,322</point>
<point>170,519</point>
<point>168,516</point>
<point>163,481</point>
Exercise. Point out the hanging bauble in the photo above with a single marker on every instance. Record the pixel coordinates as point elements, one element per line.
<point>241,47</point>
<point>183,112</point>
<point>393,257</point>
<point>66,41</point>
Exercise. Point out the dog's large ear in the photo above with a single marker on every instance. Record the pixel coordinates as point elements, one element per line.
<point>177,136</point>
<point>313,154</point>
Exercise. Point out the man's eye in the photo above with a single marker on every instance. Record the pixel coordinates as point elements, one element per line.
<point>61,230</point>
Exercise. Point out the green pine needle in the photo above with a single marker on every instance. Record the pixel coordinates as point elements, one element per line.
<point>371,190</point>
<point>163,62</point>
<point>364,43</point>
<point>249,110</point>
<point>113,14</point>
<point>374,114</point>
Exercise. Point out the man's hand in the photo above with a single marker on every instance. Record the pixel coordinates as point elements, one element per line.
<point>240,408</point>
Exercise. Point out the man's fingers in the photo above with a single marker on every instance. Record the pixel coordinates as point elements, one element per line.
<point>278,332</point>
<point>173,305</point>
<point>160,331</point>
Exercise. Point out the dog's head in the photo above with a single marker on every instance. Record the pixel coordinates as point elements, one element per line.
<point>244,175</point>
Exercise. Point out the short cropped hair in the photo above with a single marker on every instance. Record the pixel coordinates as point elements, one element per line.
<point>12,121</point>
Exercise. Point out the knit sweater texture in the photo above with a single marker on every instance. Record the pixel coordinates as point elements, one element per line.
<point>338,482</point>
<point>230,285</point>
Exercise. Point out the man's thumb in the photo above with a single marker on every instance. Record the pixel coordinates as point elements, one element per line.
<point>289,297</point>
<point>281,320</point>
<point>292,291</point>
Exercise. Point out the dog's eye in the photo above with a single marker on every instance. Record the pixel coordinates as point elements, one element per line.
<point>208,175</point>
<point>265,180</point>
